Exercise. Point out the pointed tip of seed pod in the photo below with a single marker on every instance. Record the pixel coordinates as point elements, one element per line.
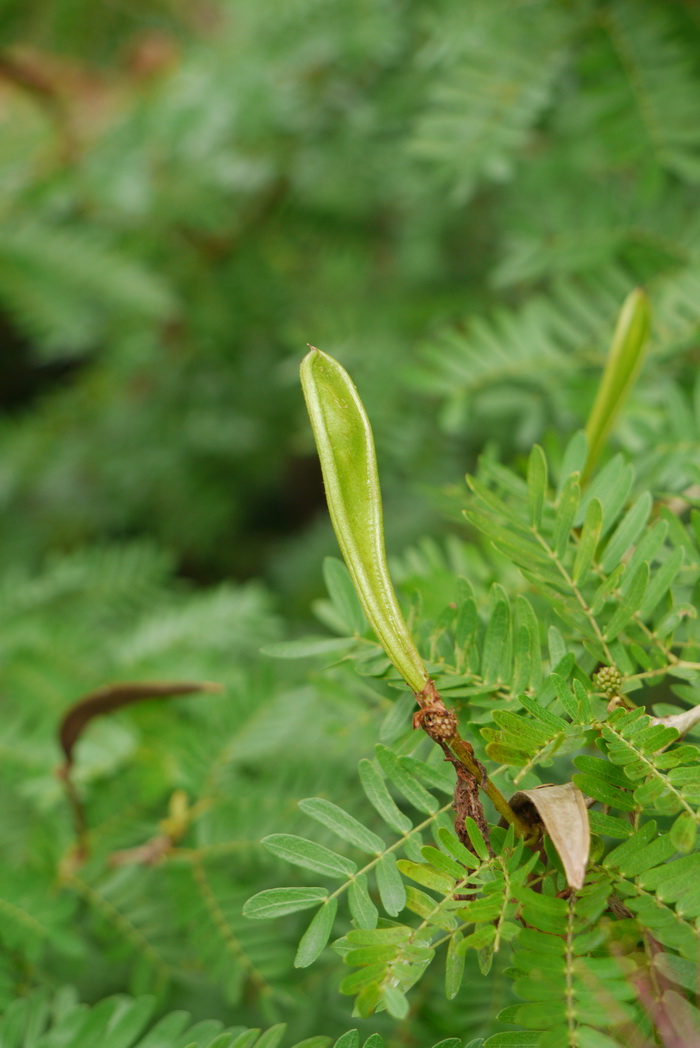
<point>314,354</point>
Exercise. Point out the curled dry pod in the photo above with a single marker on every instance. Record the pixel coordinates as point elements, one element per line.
<point>563,813</point>
<point>346,449</point>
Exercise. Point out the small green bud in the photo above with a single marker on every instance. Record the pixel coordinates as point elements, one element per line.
<point>608,680</point>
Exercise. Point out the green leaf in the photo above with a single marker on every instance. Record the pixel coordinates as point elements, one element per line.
<point>306,647</point>
<point>308,854</point>
<point>565,696</point>
<point>443,862</point>
<point>344,825</point>
<point>362,909</point>
<point>427,876</point>
<point>588,541</point>
<point>556,646</point>
<point>683,832</point>
<point>454,966</point>
<point>627,532</point>
<point>496,657</point>
<point>351,1039</point>
<point>398,719</point>
<point>405,782</point>
<point>342,593</point>
<point>392,890</point>
<point>313,1042</point>
<point>272,1037</point>
<point>276,902</point>
<point>630,603</point>
<point>314,939</point>
<point>380,798</point>
<point>604,792</point>
<point>567,507</point>
<point>395,1001</point>
<point>475,836</point>
<point>661,581</point>
<point>536,485</point>
<point>647,548</point>
<point>346,450</point>
<point>621,370</point>
<point>605,590</point>
<point>574,457</point>
<point>513,1039</point>
<point>455,847</point>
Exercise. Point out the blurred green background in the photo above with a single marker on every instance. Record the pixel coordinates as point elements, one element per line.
<point>191,192</point>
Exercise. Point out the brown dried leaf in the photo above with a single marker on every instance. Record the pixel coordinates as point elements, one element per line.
<point>563,813</point>
<point>115,696</point>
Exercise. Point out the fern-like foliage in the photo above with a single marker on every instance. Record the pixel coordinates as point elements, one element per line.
<point>551,669</point>
<point>41,1021</point>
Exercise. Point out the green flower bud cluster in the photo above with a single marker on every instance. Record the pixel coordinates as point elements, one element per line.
<point>608,680</point>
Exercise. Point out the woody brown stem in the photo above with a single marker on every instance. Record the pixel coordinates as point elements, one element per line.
<point>440,724</point>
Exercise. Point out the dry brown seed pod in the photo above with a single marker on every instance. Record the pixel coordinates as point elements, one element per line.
<point>562,811</point>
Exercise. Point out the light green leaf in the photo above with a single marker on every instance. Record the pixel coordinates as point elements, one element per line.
<point>454,966</point>
<point>342,593</point>
<point>351,1039</point>
<point>604,792</point>
<point>630,603</point>
<point>475,836</point>
<point>341,823</point>
<point>621,370</point>
<point>443,862</point>
<point>647,548</point>
<point>683,832</point>
<point>565,696</point>
<point>362,909</point>
<point>536,485</point>
<point>427,876</point>
<point>314,939</point>
<point>496,654</point>
<point>310,855</point>
<point>567,508</point>
<point>398,719</point>
<point>661,581</point>
<point>272,1037</point>
<point>392,890</point>
<point>606,589</point>
<point>276,902</point>
<point>379,936</point>
<point>346,450</point>
<point>588,541</point>
<point>395,1001</point>
<point>574,458</point>
<point>306,647</point>
<point>556,646</point>
<point>313,1042</point>
<point>455,847</point>
<point>611,487</point>
<point>404,781</point>
<point>513,1039</point>
<point>247,1039</point>
<point>627,532</point>
<point>380,798</point>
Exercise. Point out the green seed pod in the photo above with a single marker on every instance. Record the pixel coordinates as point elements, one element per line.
<point>346,449</point>
<point>621,371</point>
